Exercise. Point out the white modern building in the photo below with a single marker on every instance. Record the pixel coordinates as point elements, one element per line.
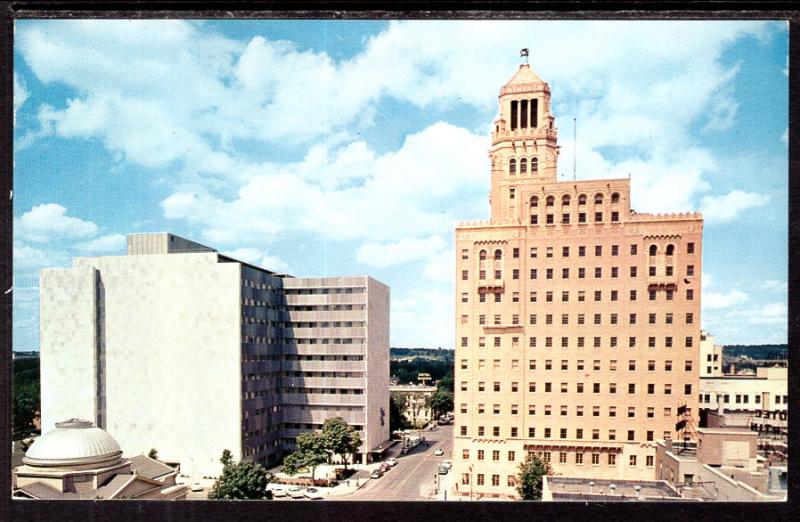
<point>177,347</point>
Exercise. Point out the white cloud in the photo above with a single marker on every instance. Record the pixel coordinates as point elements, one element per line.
<point>112,244</point>
<point>403,251</point>
<point>409,193</point>
<point>716,300</point>
<point>719,209</point>
<point>27,257</point>
<point>706,281</point>
<point>773,313</point>
<point>422,317</point>
<point>775,285</point>
<point>274,263</point>
<point>20,93</point>
<point>48,221</point>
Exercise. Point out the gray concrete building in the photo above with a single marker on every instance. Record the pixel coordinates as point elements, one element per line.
<point>177,347</point>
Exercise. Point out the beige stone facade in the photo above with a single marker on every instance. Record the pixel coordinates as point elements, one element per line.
<point>177,347</point>
<point>577,318</point>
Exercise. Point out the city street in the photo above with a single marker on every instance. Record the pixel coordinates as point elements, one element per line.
<point>415,475</point>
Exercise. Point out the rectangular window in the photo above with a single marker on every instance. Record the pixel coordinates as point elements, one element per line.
<point>548,297</point>
<point>581,273</point>
<point>533,297</point>
<point>613,295</point>
<point>652,294</point>
<point>565,251</point>
<point>515,273</point>
<point>598,272</point>
<point>651,342</point>
<point>597,342</point>
<point>689,318</point>
<point>651,271</point>
<point>549,252</point>
<point>688,342</point>
<point>515,253</point>
<point>562,457</point>
<point>612,411</point>
<point>613,319</point>
<point>689,270</point>
<point>614,271</point>
<point>579,433</point>
<point>597,318</point>
<point>598,217</point>
<point>497,342</point>
<point>598,250</point>
<point>651,319</point>
<point>532,342</point>
<point>633,271</point>
<point>690,248</point>
<point>565,273</point>
<point>532,319</point>
<point>579,458</point>
<point>464,253</point>
<point>549,273</point>
<point>631,342</point>
<point>533,252</point>
<point>598,295</point>
<point>595,458</point>
<point>534,273</point>
<point>464,275</point>
<point>564,296</point>
<point>464,297</point>
<point>581,251</point>
<point>689,294</point>
<point>580,342</point>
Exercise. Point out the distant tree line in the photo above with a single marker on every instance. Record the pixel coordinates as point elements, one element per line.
<point>432,353</point>
<point>407,372</point>
<point>759,351</point>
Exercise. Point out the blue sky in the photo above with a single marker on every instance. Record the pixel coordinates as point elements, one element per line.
<point>348,147</point>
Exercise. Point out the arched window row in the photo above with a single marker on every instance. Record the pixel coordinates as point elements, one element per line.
<point>670,250</point>
<point>523,165</point>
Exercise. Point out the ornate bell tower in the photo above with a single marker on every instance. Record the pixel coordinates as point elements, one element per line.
<point>524,142</point>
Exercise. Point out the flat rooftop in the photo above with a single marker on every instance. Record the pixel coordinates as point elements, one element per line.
<point>568,488</point>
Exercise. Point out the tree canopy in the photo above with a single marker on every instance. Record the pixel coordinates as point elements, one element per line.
<point>529,479</point>
<point>25,396</point>
<point>397,419</point>
<point>340,438</point>
<point>242,480</point>
<point>441,402</point>
<point>312,450</point>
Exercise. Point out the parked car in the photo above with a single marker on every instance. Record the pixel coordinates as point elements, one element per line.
<point>384,467</point>
<point>439,452</point>
<point>296,492</point>
<point>392,462</point>
<point>313,494</point>
<point>443,469</point>
<point>277,491</point>
<point>376,473</point>
<point>196,486</point>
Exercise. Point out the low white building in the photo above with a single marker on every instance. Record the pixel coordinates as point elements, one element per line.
<point>766,390</point>
<point>178,347</point>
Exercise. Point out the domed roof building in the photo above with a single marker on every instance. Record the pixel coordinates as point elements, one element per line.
<point>78,460</point>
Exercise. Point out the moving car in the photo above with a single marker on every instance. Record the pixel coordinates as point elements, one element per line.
<point>443,469</point>
<point>392,462</point>
<point>384,467</point>
<point>439,452</point>
<point>296,492</point>
<point>448,463</point>
<point>313,494</point>
<point>196,486</point>
<point>376,473</point>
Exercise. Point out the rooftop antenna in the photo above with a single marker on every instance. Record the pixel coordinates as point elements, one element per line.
<point>523,53</point>
<point>574,148</point>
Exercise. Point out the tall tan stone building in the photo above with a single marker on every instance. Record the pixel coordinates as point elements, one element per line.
<point>577,318</point>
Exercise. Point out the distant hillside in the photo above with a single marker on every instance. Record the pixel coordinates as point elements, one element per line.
<point>404,354</point>
<point>757,351</point>
<point>407,363</point>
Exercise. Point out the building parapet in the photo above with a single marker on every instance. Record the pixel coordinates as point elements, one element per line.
<point>679,216</point>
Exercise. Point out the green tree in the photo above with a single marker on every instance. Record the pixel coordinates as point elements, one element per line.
<point>312,450</point>
<point>153,454</point>
<point>24,410</point>
<point>340,438</point>
<point>242,480</point>
<point>227,458</point>
<point>529,479</point>
<point>446,382</point>
<point>397,419</point>
<point>441,402</point>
